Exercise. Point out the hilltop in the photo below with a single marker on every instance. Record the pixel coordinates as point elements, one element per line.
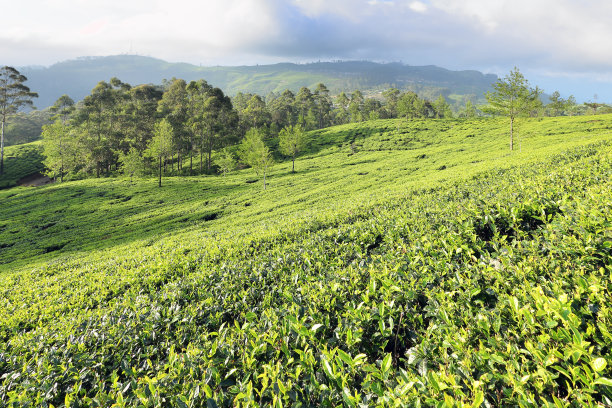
<point>406,262</point>
<point>77,77</point>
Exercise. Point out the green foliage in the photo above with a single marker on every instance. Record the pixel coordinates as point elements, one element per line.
<point>132,163</point>
<point>255,153</point>
<point>513,97</point>
<point>226,161</point>
<point>292,141</point>
<point>21,161</point>
<point>374,278</point>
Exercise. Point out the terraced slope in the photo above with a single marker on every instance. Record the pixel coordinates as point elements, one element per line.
<point>421,266</point>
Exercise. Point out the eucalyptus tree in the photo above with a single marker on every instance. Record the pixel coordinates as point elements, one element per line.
<point>356,106</point>
<point>54,136</point>
<point>292,140</point>
<point>218,120</point>
<point>161,144</point>
<point>411,106</point>
<point>255,114</point>
<point>391,96</point>
<point>323,105</point>
<point>371,109</point>
<point>282,109</point>
<point>342,115</point>
<point>140,115</point>
<point>305,107</point>
<point>95,122</point>
<point>558,105</point>
<point>14,95</point>
<point>441,108</point>
<point>255,153</point>
<point>176,105</point>
<point>197,93</point>
<point>513,97</point>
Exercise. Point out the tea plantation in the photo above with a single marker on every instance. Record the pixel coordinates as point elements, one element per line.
<point>21,161</point>
<point>411,263</point>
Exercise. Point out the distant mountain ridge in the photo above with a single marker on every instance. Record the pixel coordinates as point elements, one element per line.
<point>77,77</point>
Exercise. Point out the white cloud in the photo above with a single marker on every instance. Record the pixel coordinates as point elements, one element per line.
<point>418,6</point>
<point>556,31</point>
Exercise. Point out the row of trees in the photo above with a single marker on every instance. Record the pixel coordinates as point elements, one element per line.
<point>115,124</point>
<point>119,126</point>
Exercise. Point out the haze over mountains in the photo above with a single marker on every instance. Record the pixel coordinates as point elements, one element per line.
<point>77,77</point>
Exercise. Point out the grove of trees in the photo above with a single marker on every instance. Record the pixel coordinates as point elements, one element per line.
<point>117,128</point>
<point>114,128</point>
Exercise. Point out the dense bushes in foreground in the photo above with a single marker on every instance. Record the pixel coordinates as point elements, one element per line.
<point>493,292</point>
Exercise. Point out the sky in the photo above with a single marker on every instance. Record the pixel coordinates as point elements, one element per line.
<point>563,45</point>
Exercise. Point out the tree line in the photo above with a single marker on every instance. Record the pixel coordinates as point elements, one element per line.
<point>118,127</point>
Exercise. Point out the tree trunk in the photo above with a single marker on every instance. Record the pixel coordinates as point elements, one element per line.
<point>264,172</point>
<point>511,133</point>
<point>2,149</point>
<point>191,162</point>
<point>201,153</point>
<point>209,157</point>
<point>293,165</point>
<point>160,170</point>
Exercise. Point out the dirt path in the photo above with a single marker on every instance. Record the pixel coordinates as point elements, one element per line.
<point>34,180</point>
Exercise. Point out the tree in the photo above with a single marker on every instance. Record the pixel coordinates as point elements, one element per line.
<point>323,104</point>
<point>391,96</point>
<point>226,161</point>
<point>292,141</point>
<point>14,95</point>
<point>55,148</point>
<point>342,114</point>
<point>54,135</point>
<point>470,110</point>
<point>513,97</point>
<point>356,106</point>
<point>442,108</point>
<point>132,163</point>
<point>409,105</point>
<point>161,144</point>
<point>176,105</point>
<point>255,153</point>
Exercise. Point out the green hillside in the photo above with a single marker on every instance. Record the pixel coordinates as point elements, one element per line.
<point>405,263</point>
<point>21,161</point>
<point>77,77</point>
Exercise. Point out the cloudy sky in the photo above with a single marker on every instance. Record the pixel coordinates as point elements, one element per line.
<point>558,44</point>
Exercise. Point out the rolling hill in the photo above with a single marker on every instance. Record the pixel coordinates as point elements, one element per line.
<point>77,77</point>
<point>406,263</point>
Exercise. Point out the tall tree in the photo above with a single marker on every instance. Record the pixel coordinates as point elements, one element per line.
<point>62,108</point>
<point>391,96</point>
<point>255,153</point>
<point>282,109</point>
<point>305,107</point>
<point>323,105</point>
<point>513,97</point>
<point>356,106</point>
<point>14,95</point>
<point>558,105</point>
<point>177,105</point>
<point>442,108</point>
<point>55,148</point>
<point>341,111</point>
<point>161,144</point>
<point>292,141</point>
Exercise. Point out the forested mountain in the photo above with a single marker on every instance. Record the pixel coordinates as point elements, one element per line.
<point>77,77</point>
